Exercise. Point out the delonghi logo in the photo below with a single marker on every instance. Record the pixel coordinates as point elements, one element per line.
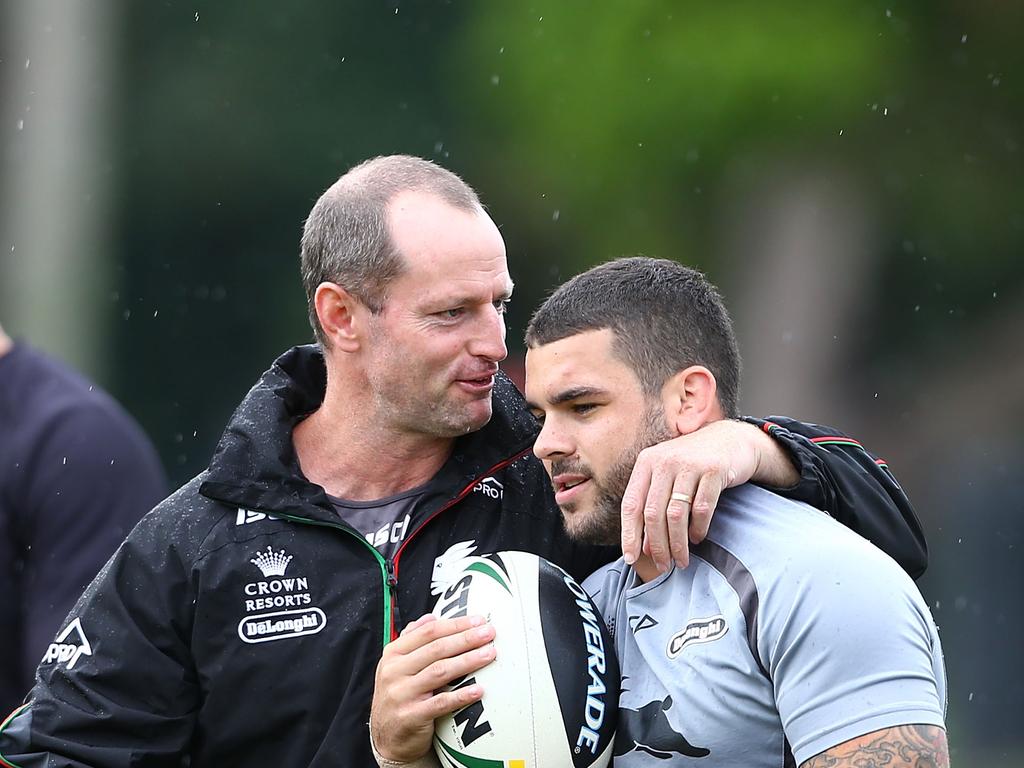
<point>65,649</point>
<point>697,631</point>
<point>283,624</point>
<point>596,667</point>
<point>272,563</point>
<point>490,487</point>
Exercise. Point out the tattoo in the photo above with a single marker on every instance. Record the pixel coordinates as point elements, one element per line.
<point>905,746</point>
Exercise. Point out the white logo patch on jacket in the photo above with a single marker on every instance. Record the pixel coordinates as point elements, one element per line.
<point>449,564</point>
<point>69,646</point>
<point>491,488</point>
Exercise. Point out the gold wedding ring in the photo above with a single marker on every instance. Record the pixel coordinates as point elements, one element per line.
<point>683,497</point>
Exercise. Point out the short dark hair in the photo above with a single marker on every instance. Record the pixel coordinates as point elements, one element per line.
<point>666,317</point>
<point>346,239</point>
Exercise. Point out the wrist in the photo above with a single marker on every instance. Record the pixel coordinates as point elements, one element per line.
<point>428,760</point>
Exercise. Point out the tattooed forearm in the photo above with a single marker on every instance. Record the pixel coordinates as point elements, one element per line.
<point>905,746</point>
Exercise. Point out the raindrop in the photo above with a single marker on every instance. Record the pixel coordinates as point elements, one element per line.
<point>438,146</point>
<point>495,79</point>
<point>888,13</point>
<point>840,131</point>
<point>156,312</point>
<point>555,214</point>
<point>65,462</point>
<point>971,696</point>
<point>885,111</point>
<point>21,124</point>
<point>876,395</point>
<point>27,62</point>
<point>197,15</point>
<point>963,38</point>
<point>502,49</point>
<point>994,294</point>
<point>396,11</point>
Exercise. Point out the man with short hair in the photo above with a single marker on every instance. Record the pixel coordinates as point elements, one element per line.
<point>788,640</point>
<point>242,621</point>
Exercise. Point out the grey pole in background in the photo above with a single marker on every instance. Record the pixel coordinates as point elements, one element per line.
<point>56,76</point>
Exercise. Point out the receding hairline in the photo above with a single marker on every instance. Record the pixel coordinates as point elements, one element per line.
<point>386,176</point>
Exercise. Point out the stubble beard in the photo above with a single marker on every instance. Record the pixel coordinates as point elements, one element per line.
<point>603,524</point>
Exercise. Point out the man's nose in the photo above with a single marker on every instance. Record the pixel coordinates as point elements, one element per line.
<point>489,341</point>
<point>552,442</point>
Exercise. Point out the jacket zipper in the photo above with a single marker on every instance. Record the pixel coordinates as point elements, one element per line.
<point>392,564</point>
<point>386,568</point>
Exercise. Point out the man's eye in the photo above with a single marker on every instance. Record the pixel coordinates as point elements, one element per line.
<point>582,409</point>
<point>453,313</point>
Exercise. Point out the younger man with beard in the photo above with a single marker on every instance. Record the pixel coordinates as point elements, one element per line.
<point>789,640</point>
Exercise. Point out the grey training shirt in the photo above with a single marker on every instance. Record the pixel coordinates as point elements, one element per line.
<point>786,632</point>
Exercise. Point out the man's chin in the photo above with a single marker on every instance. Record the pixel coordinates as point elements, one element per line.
<point>588,527</point>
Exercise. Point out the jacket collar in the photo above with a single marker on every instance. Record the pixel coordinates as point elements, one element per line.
<point>255,467</point>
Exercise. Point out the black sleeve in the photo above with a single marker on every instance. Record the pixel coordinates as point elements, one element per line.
<point>840,477</point>
<point>117,688</point>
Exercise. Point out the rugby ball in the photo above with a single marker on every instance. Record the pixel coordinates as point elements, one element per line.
<point>551,695</point>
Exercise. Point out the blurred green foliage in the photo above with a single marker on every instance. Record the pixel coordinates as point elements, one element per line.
<point>590,129</point>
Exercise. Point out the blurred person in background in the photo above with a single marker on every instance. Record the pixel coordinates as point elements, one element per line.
<point>242,621</point>
<point>76,474</point>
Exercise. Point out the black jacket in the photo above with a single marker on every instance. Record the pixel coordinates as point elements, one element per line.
<point>241,622</point>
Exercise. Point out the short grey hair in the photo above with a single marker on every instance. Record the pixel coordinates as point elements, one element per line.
<point>346,239</point>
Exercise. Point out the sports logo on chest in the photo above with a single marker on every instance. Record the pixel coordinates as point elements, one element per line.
<point>695,632</point>
<point>279,605</point>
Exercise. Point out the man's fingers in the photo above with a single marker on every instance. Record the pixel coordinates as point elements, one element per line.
<point>418,623</point>
<point>704,502</point>
<point>633,510</point>
<point>443,671</point>
<point>679,517</point>
<point>446,658</point>
<point>426,630</point>
<point>656,525</point>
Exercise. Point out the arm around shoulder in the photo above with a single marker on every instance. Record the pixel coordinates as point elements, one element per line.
<point>838,475</point>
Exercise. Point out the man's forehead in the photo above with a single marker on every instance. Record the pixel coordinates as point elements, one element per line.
<point>581,361</point>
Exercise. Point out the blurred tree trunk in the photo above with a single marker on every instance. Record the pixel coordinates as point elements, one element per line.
<point>55,285</point>
<point>802,256</point>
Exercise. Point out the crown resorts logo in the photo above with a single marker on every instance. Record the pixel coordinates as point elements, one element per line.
<point>275,591</point>
<point>272,563</point>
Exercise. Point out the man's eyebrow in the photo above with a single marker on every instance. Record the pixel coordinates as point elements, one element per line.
<point>574,393</point>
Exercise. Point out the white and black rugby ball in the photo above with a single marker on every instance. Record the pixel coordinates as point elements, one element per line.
<point>551,694</point>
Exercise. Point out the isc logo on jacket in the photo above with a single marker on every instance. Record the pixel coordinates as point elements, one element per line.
<point>70,645</point>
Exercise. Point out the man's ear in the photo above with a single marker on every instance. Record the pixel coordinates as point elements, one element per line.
<point>690,398</point>
<point>342,316</point>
